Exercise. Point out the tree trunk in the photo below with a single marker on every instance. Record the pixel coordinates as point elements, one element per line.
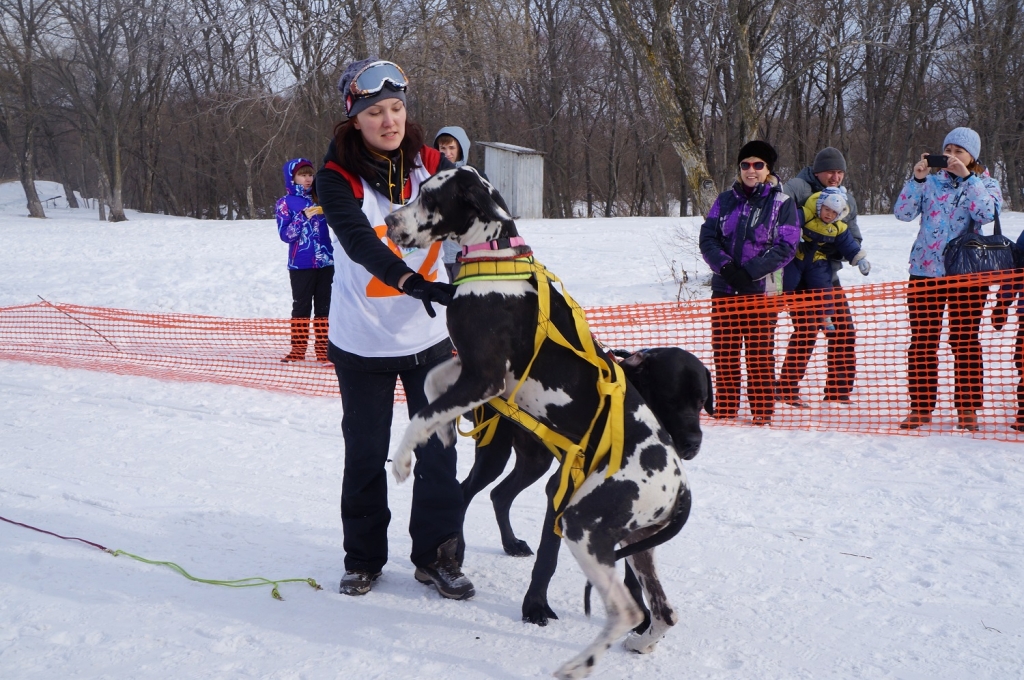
<point>684,122</point>
<point>116,202</point>
<point>26,172</point>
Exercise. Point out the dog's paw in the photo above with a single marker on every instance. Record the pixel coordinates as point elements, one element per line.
<point>577,668</point>
<point>517,548</point>
<point>401,465</point>
<point>538,613</point>
<point>641,644</point>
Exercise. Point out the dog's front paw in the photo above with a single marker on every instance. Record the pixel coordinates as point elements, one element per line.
<point>538,613</point>
<point>401,465</point>
<point>517,548</point>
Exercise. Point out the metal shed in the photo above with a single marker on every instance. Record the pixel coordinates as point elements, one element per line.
<point>518,175</point>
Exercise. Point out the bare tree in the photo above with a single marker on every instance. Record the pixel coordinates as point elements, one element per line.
<point>22,23</point>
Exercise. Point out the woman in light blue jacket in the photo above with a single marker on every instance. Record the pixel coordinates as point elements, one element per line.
<point>951,202</point>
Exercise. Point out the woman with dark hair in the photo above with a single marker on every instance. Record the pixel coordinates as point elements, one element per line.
<point>951,202</point>
<point>751,232</point>
<point>383,326</point>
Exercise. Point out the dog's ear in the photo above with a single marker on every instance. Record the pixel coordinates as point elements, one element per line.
<point>488,203</point>
<point>709,403</point>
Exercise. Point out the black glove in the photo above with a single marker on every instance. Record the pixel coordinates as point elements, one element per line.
<point>737,277</point>
<point>421,289</point>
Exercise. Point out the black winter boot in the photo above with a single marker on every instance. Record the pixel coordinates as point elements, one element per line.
<point>320,335</point>
<point>357,582</point>
<point>299,339</point>
<point>445,573</point>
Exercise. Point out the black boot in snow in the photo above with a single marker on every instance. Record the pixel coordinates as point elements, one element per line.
<point>445,573</point>
<point>357,582</point>
<point>299,340</point>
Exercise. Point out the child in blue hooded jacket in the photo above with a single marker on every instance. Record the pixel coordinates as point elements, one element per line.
<point>823,226</point>
<point>301,224</point>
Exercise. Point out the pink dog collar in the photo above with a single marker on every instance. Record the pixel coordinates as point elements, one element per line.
<point>497,244</point>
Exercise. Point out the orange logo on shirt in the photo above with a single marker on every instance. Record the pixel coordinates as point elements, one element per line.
<point>378,289</point>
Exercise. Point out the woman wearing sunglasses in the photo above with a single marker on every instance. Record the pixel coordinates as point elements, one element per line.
<point>750,233</point>
<point>383,326</point>
<point>960,197</point>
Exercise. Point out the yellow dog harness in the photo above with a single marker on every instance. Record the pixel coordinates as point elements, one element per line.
<point>611,382</point>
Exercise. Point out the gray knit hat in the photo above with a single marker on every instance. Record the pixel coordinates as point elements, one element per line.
<point>965,138</point>
<point>829,158</point>
<point>354,103</point>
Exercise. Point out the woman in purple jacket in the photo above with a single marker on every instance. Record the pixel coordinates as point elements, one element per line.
<point>750,234</point>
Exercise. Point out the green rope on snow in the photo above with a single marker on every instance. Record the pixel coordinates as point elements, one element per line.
<point>240,583</point>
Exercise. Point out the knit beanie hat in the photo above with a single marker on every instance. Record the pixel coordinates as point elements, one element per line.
<point>759,149</point>
<point>303,164</point>
<point>835,199</point>
<point>354,104</point>
<point>829,158</point>
<point>965,138</point>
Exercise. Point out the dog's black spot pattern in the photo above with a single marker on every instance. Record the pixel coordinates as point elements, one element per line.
<point>653,459</point>
<point>606,513</point>
<point>590,662</point>
<point>658,512</point>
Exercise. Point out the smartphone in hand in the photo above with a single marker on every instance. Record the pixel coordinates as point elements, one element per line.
<point>937,160</point>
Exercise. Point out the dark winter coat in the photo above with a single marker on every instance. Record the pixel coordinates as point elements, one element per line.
<point>759,233</point>
<point>309,237</point>
<point>800,189</point>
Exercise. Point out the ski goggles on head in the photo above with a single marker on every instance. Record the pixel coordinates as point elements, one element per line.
<point>372,78</point>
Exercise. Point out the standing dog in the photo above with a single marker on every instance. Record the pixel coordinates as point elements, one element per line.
<point>492,324</point>
<point>673,382</point>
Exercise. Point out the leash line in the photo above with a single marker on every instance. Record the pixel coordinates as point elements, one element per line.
<point>250,582</point>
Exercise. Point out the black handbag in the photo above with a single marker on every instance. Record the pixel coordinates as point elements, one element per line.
<point>974,252</point>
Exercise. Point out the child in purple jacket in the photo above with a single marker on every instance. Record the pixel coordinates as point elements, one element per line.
<point>301,224</point>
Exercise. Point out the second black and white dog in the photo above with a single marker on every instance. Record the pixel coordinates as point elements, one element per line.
<point>673,382</point>
<point>492,324</point>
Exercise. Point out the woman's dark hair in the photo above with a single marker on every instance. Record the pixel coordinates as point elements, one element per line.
<point>353,153</point>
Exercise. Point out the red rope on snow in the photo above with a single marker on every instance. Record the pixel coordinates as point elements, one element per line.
<point>50,533</point>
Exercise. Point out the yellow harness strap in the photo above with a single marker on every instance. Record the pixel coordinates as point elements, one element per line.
<point>611,385</point>
<point>520,268</point>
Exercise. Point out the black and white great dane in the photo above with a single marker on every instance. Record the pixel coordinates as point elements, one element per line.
<point>492,325</point>
<point>673,382</point>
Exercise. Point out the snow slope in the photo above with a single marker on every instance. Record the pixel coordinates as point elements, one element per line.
<point>807,555</point>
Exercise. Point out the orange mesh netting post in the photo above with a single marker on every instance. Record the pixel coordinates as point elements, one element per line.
<point>962,359</point>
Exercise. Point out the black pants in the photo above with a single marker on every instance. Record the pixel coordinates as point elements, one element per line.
<point>311,291</point>
<point>738,329</point>
<point>841,360</point>
<point>1018,361</point>
<point>437,510</point>
<point>927,300</point>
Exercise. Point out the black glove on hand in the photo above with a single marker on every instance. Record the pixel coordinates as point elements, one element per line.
<point>737,277</point>
<point>421,289</point>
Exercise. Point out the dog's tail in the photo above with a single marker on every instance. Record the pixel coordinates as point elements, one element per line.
<point>673,527</point>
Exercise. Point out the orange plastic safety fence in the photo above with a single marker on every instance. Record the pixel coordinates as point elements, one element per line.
<point>181,347</point>
<point>933,348</point>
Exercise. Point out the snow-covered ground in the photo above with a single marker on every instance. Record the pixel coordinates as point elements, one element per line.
<point>807,555</point>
